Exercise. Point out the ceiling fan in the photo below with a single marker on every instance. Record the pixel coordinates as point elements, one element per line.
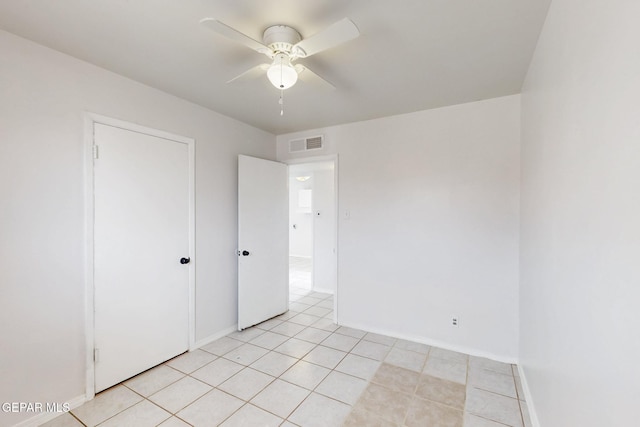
<point>284,45</point>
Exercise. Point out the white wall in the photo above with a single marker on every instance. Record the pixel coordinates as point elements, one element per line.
<point>43,95</point>
<point>433,198</point>
<point>580,249</point>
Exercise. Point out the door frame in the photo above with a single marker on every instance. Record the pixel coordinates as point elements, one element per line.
<point>90,119</point>
<point>317,159</point>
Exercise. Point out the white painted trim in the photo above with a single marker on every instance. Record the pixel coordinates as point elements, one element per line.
<point>89,120</point>
<point>434,343</point>
<point>214,337</point>
<point>89,305</point>
<point>533,415</point>
<point>43,417</point>
<point>328,158</point>
<point>301,256</point>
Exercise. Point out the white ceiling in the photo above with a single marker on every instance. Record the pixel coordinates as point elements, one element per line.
<point>412,54</point>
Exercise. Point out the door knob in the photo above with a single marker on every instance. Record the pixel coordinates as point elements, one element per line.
<point>245,253</point>
<point>185,260</point>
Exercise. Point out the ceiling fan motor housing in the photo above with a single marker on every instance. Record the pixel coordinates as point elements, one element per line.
<point>281,38</point>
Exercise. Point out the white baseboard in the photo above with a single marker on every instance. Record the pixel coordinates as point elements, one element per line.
<point>435,343</point>
<point>533,415</point>
<point>212,338</point>
<point>43,417</point>
<point>300,256</point>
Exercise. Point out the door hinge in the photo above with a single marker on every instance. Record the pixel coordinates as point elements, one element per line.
<point>95,151</point>
<point>96,355</point>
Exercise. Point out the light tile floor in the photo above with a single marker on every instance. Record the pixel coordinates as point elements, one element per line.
<point>300,272</point>
<point>301,369</point>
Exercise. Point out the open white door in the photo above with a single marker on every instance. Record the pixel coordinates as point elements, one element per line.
<point>141,232</point>
<point>263,240</point>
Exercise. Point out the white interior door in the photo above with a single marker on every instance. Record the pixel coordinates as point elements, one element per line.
<point>141,232</point>
<point>263,240</point>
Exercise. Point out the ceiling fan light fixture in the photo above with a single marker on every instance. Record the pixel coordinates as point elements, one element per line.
<point>281,73</point>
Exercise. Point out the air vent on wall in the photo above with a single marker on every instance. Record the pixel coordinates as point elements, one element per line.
<point>305,144</point>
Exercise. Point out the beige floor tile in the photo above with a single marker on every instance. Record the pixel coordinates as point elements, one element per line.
<point>64,420</point>
<point>246,335</point>
<point>280,398</point>
<point>222,346</point>
<point>442,391</point>
<point>371,350</point>
<point>406,359</point>
<point>313,335</point>
<point>396,378</point>
<point>471,420</point>
<point>246,354</point>
<point>494,407</point>
<point>361,418</point>
<point>288,315</point>
<point>327,303</point>
<point>298,306</point>
<point>325,356</point>
<point>427,413</point>
<point>493,381</point>
<point>385,403</point>
<point>190,361</point>
<point>289,329</point>
<point>447,369</point>
<point>269,324</point>
<point>318,311</point>
<point>269,340</point>
<point>356,333</point>
<point>342,387</point>
<point>250,415</point>
<point>216,372</point>
<point>305,374</point>
<point>153,380</point>
<point>380,339</point>
<point>412,346</point>
<point>246,383</point>
<point>320,411</point>
<point>326,325</point>
<point>179,394</point>
<point>441,353</point>
<point>143,414</point>
<point>358,366</point>
<point>211,409</point>
<point>274,363</point>
<point>492,365</point>
<point>295,348</point>
<point>106,404</point>
<point>174,422</point>
<point>304,319</point>
<point>340,342</point>
<point>311,300</point>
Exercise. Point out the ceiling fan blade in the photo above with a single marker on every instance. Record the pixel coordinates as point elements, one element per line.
<point>337,33</point>
<point>308,76</point>
<point>235,35</point>
<point>251,73</point>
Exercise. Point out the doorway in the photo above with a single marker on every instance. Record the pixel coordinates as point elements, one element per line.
<point>312,230</point>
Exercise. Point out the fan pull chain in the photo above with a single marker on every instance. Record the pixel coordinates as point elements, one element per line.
<point>281,102</point>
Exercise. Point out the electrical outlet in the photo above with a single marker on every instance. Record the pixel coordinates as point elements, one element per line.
<point>454,320</point>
